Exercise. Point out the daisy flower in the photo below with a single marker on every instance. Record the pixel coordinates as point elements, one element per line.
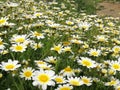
<point>111,24</point>
<point>37,35</point>
<point>49,22</point>
<point>57,48</point>
<point>94,52</point>
<point>67,49</point>
<point>20,39</point>
<point>117,87</point>
<point>111,72</point>
<point>75,41</point>
<point>54,25</point>
<point>75,81</point>
<point>85,46</point>
<point>99,20</point>
<point>18,47</point>
<point>4,52</point>
<point>116,41</point>
<point>10,65</point>
<point>116,49</point>
<point>75,36</point>
<point>87,81</point>
<point>113,82</point>
<point>69,22</point>
<point>101,38</point>
<point>68,71</point>
<point>3,21</point>
<point>11,4</point>
<point>2,44</point>
<point>87,62</point>
<point>115,65</point>
<point>84,25</point>
<point>27,73</point>
<point>43,78</point>
<point>59,79</point>
<point>64,87</point>
<point>43,65</point>
<point>38,24</point>
<point>35,46</point>
<point>51,59</point>
<point>38,14</point>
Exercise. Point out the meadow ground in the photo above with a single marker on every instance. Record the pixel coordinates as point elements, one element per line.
<point>109,9</point>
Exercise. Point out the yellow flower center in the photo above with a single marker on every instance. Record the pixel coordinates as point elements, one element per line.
<point>111,72</point>
<point>113,82</point>
<point>41,62</point>
<point>74,82</point>
<point>101,39</point>
<point>86,81</point>
<point>59,80</point>
<point>37,46</point>
<point>67,49</point>
<point>2,21</point>
<point>76,42</point>
<point>19,48</point>
<point>65,88</point>
<point>10,66</point>
<point>57,48</point>
<point>94,53</point>
<point>110,24</point>
<point>1,43</point>
<point>118,88</point>
<point>44,78</point>
<point>86,63</point>
<point>38,14</point>
<point>116,66</point>
<point>116,50</point>
<point>85,46</point>
<point>27,73</point>
<point>20,40</point>
<point>66,43</point>
<point>69,23</point>
<point>68,69</point>
<point>52,61</point>
<point>37,34</point>
<point>84,27</point>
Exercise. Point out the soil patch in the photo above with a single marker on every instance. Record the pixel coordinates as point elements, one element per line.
<point>109,9</point>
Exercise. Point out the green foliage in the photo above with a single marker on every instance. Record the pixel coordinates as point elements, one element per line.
<point>89,6</point>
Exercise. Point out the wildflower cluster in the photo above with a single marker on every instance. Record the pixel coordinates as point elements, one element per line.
<point>49,46</point>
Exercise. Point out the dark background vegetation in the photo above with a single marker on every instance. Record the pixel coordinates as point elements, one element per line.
<point>87,6</point>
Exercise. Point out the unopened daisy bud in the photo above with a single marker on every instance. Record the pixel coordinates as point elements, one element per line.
<point>104,71</point>
<point>1,75</point>
<point>8,89</point>
<point>14,73</point>
<point>96,80</point>
<point>25,62</point>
